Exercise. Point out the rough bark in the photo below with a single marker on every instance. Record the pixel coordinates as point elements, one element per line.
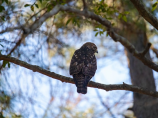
<point>62,78</point>
<point>141,75</point>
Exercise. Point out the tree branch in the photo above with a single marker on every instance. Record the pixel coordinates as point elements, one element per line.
<point>10,29</point>
<point>70,80</point>
<point>155,51</point>
<point>84,5</point>
<point>31,28</point>
<point>105,105</point>
<point>146,49</point>
<point>113,35</point>
<point>145,13</point>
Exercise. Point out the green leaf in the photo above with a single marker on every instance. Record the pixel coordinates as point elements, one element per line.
<point>124,18</point>
<point>68,21</point>
<point>154,6</point>
<point>109,18</point>
<point>1,115</point>
<point>1,8</point>
<point>126,12</point>
<point>6,1</point>
<point>113,24</point>
<point>26,5</point>
<point>49,7</point>
<point>40,1</point>
<point>36,5</point>
<point>107,34</point>
<point>3,18</point>
<point>5,63</point>
<point>96,34</point>
<point>1,45</point>
<point>32,8</point>
<point>120,15</point>
<point>8,65</point>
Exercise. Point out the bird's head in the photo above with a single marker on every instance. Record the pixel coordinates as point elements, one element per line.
<point>90,46</point>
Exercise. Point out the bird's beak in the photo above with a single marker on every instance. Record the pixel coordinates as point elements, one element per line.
<point>96,51</point>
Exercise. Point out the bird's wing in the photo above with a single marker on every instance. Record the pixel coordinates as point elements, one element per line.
<point>76,62</point>
<point>90,66</point>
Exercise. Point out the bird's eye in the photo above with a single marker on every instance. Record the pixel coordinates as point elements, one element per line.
<point>94,48</point>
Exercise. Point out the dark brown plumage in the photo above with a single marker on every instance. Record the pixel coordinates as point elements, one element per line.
<point>83,66</point>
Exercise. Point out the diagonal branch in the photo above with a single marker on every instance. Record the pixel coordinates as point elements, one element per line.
<point>146,50</point>
<point>31,28</point>
<point>70,80</point>
<point>155,51</point>
<point>105,105</point>
<point>10,29</point>
<point>114,35</point>
<point>145,13</point>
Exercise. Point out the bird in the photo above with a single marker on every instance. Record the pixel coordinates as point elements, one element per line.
<point>83,66</point>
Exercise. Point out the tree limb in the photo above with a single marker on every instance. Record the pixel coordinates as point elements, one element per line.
<point>84,5</point>
<point>114,35</point>
<point>155,51</point>
<point>31,28</point>
<point>145,13</point>
<point>146,49</point>
<point>70,80</point>
<point>10,29</point>
<point>104,104</point>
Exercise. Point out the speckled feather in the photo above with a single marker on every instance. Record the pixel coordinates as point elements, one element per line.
<point>83,66</point>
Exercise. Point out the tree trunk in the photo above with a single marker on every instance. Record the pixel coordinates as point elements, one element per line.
<point>142,76</point>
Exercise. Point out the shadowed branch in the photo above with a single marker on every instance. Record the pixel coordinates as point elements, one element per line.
<point>88,14</point>
<point>144,12</point>
<point>70,80</point>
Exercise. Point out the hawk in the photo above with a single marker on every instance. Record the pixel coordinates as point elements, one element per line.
<point>83,66</point>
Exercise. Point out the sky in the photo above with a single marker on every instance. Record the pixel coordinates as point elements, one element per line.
<point>112,69</point>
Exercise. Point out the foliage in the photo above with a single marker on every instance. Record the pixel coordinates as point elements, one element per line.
<point>51,47</point>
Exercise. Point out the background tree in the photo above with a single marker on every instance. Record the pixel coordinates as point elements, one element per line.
<point>47,32</point>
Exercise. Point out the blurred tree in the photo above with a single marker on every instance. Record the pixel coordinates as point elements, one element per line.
<point>46,33</point>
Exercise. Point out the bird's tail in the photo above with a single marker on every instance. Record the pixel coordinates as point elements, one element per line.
<point>81,82</point>
<point>81,87</point>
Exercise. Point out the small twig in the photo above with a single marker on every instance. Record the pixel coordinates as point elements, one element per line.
<point>84,5</point>
<point>113,34</point>
<point>88,14</point>
<point>155,51</point>
<point>145,13</point>
<point>102,102</point>
<point>17,44</point>
<point>145,50</point>
<point>10,29</point>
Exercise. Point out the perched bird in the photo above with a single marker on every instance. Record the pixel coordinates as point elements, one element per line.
<point>83,66</point>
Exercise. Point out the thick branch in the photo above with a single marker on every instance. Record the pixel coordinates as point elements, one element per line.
<point>102,21</point>
<point>70,80</point>
<point>145,13</point>
<point>113,35</point>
